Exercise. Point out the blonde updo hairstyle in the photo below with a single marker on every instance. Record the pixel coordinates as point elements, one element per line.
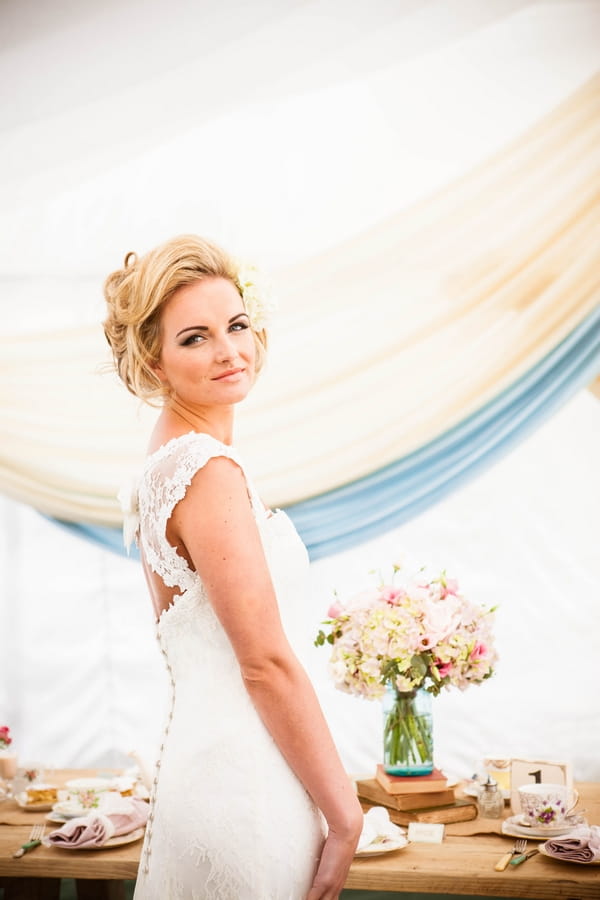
<point>135,297</point>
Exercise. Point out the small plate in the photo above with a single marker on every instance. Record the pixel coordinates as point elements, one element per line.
<point>513,827</point>
<point>451,780</point>
<point>69,810</point>
<point>31,807</point>
<point>111,842</point>
<point>578,862</point>
<point>470,790</point>
<point>89,784</point>
<point>551,830</point>
<point>57,818</point>
<point>377,848</point>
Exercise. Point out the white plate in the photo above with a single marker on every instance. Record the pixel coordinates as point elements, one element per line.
<point>31,807</point>
<point>552,830</point>
<point>111,842</point>
<point>579,862</point>
<point>470,790</point>
<point>513,827</point>
<point>89,784</point>
<point>377,848</point>
<point>55,817</point>
<point>69,810</point>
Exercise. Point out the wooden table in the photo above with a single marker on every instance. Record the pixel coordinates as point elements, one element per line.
<point>99,874</point>
<point>458,866</point>
<point>465,865</point>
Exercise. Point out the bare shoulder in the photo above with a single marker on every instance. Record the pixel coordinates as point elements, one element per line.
<point>215,527</point>
<point>220,478</point>
<point>217,496</point>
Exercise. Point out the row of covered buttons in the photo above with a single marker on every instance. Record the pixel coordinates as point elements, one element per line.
<point>147,849</point>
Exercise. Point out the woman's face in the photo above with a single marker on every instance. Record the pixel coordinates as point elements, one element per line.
<point>208,352</point>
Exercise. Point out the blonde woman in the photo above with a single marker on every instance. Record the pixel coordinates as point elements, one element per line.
<point>250,800</point>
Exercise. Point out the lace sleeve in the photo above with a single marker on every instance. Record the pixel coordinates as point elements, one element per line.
<point>165,480</point>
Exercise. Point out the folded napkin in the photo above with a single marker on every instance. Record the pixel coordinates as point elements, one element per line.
<point>378,827</point>
<point>582,845</point>
<point>95,829</point>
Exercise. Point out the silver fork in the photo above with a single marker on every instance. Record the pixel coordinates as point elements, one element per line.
<point>35,839</point>
<point>519,847</point>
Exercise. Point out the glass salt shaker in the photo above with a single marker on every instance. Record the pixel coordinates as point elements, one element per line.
<point>490,801</point>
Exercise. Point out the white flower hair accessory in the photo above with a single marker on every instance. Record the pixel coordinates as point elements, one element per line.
<point>256,294</point>
<point>128,501</point>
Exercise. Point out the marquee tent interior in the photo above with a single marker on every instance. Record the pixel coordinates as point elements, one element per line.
<point>420,179</point>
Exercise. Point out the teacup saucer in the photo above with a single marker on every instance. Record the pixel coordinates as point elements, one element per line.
<point>568,823</point>
<point>516,827</point>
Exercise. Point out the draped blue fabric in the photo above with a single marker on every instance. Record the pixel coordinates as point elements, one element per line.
<point>349,515</point>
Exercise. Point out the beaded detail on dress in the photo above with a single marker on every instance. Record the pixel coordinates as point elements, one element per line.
<point>228,819</point>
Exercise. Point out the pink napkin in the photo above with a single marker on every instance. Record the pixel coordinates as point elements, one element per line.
<point>97,828</point>
<point>583,845</point>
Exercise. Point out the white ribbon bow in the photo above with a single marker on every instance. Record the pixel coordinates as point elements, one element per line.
<point>128,500</point>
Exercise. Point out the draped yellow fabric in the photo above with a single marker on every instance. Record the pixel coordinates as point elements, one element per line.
<point>381,343</point>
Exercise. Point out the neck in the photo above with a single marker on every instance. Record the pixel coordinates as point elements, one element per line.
<point>216,421</point>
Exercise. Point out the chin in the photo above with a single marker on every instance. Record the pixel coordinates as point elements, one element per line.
<point>234,393</point>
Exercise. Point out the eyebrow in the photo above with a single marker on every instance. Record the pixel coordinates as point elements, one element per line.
<point>205,327</point>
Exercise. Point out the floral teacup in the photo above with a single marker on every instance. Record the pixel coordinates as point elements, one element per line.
<point>547,805</point>
<point>87,792</point>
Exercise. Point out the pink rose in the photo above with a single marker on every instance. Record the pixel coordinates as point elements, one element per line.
<point>451,586</point>
<point>391,594</point>
<point>441,619</point>
<point>479,651</point>
<point>443,668</point>
<point>334,610</point>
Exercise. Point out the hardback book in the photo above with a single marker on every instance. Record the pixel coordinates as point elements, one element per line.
<point>369,789</point>
<point>459,811</point>
<point>411,784</point>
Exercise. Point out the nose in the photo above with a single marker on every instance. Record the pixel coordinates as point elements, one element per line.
<point>225,349</point>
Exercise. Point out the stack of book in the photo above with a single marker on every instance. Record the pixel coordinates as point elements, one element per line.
<point>418,798</point>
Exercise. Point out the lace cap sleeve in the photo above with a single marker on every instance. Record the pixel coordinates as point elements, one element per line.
<point>167,475</point>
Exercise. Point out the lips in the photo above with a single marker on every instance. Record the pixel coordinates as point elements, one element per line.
<point>228,374</point>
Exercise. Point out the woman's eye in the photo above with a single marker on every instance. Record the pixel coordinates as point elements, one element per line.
<point>193,339</point>
<point>239,326</point>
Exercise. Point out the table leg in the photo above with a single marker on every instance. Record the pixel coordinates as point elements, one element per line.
<point>100,889</point>
<point>31,888</point>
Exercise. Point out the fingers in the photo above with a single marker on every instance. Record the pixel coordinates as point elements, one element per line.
<point>332,871</point>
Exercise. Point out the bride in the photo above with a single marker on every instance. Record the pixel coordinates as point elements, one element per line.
<point>250,800</point>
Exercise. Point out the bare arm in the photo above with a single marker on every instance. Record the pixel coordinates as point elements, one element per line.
<point>216,524</point>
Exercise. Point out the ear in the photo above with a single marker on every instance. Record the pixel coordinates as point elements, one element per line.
<point>158,371</point>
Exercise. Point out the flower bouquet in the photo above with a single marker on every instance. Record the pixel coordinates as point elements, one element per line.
<point>8,759</point>
<point>5,738</point>
<point>410,637</point>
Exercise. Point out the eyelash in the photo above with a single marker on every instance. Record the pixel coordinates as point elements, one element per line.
<point>235,326</point>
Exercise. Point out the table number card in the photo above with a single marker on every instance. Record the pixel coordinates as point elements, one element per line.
<point>425,832</point>
<point>532,771</point>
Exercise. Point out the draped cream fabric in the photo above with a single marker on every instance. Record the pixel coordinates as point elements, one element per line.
<point>382,342</point>
<point>284,128</point>
<point>447,245</point>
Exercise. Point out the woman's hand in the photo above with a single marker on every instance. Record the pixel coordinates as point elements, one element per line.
<point>336,858</point>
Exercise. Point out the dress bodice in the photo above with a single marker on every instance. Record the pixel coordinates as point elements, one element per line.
<point>166,476</point>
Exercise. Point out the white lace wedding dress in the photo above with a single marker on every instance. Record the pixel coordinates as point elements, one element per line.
<point>229,820</point>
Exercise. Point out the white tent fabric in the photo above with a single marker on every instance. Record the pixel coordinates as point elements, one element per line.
<point>82,682</point>
<point>472,287</point>
<point>283,130</point>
